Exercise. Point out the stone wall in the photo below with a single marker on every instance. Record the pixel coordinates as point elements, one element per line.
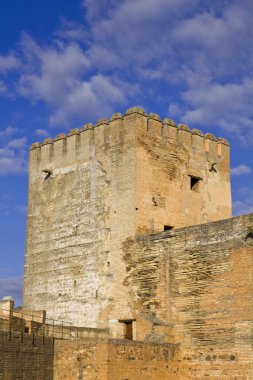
<point>76,223</point>
<point>194,286</point>
<point>114,360</point>
<point>91,190</point>
<point>25,356</point>
<point>182,176</point>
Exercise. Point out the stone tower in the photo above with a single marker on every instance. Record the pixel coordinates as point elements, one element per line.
<point>92,190</point>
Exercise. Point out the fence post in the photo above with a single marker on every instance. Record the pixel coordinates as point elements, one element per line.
<point>43,327</point>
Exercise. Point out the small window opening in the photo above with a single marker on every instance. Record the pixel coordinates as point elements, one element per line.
<point>167,227</point>
<point>108,264</point>
<point>26,329</point>
<point>74,283</point>
<point>128,329</point>
<point>194,182</point>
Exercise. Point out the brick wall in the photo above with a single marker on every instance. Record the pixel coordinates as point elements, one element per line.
<point>25,356</point>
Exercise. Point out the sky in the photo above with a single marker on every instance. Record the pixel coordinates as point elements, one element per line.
<point>66,63</point>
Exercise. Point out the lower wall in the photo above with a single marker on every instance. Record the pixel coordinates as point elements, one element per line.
<point>195,287</point>
<point>25,356</point>
<point>92,359</point>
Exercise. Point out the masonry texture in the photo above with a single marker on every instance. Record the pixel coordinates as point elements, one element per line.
<point>25,357</point>
<point>91,190</point>
<point>114,360</point>
<point>193,286</point>
<point>130,240</point>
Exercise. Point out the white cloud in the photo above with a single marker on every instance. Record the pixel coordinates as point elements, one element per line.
<point>89,99</point>
<point>242,207</point>
<point>18,143</point>
<point>59,75</point>
<point>9,131</point>
<point>53,71</point>
<point>12,286</point>
<point>12,165</point>
<point>134,33</point>
<point>13,155</point>
<point>243,201</point>
<point>9,62</point>
<point>202,50</point>
<point>71,31</point>
<point>95,10</point>
<point>227,105</point>
<point>216,70</point>
<point>41,132</point>
<point>3,87</point>
<point>175,110</point>
<point>218,41</point>
<point>240,170</point>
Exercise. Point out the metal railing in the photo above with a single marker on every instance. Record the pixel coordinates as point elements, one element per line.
<point>36,323</point>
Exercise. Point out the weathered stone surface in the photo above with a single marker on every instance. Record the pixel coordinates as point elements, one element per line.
<point>76,222</point>
<point>184,127</point>
<point>193,286</point>
<point>196,131</point>
<point>91,191</point>
<point>96,255</point>
<point>210,136</point>
<point>114,360</point>
<point>25,356</point>
<point>169,122</point>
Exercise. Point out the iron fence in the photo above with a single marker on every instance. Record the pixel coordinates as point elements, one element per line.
<point>36,323</point>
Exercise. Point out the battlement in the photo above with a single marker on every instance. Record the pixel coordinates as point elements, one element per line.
<point>92,189</point>
<point>106,133</point>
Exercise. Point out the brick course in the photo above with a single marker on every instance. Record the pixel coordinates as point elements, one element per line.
<point>25,356</point>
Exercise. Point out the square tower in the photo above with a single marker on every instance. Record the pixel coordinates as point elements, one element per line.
<point>96,188</point>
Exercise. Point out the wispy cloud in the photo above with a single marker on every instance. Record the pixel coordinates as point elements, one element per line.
<point>200,50</point>
<point>226,105</point>
<point>12,286</point>
<point>71,31</point>
<point>13,155</point>
<point>240,170</point>
<point>3,87</point>
<point>41,132</point>
<point>7,132</point>
<point>9,62</point>
<point>242,207</point>
<point>59,75</point>
<point>18,143</point>
<point>243,201</point>
<point>88,99</point>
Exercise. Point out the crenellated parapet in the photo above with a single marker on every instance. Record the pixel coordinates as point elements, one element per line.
<point>94,188</point>
<point>106,132</point>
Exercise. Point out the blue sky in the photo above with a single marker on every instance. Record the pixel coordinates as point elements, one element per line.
<point>66,63</point>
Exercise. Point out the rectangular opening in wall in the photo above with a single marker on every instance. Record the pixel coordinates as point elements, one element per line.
<point>128,328</point>
<point>194,182</point>
<point>166,227</point>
